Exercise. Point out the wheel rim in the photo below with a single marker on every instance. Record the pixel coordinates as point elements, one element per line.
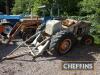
<point>65,46</point>
<point>88,41</point>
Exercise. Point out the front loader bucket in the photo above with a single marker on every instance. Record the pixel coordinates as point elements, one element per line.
<point>39,47</point>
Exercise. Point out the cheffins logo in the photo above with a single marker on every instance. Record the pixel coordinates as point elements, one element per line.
<point>78,65</point>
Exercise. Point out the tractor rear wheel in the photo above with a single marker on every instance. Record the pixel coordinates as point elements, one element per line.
<point>27,34</point>
<point>87,40</point>
<point>61,43</point>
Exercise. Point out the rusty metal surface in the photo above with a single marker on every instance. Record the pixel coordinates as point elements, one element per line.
<point>22,26</point>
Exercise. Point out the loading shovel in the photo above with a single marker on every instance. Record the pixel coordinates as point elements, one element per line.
<point>36,49</point>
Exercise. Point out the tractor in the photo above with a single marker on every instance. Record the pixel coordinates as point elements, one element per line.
<point>59,36</point>
<point>5,28</point>
<point>56,37</point>
<point>24,29</point>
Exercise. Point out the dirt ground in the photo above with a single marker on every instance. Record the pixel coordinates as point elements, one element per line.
<point>49,65</point>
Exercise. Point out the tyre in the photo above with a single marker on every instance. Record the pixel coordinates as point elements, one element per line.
<point>87,40</point>
<point>27,34</point>
<point>61,43</point>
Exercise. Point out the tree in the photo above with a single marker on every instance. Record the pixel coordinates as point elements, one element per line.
<point>22,6</point>
<point>66,7</point>
<point>38,4</point>
<point>92,9</point>
<point>88,7</point>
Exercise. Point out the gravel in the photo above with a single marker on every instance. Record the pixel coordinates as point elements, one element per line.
<point>48,65</point>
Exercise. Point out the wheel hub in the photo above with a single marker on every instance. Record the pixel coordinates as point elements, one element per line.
<point>65,46</point>
<point>88,41</point>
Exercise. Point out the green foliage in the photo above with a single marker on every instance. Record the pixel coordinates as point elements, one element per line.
<point>89,7</point>
<point>37,4</point>
<point>97,39</point>
<point>69,7</point>
<point>22,6</point>
<point>66,7</point>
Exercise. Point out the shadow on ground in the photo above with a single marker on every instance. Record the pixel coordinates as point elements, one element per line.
<point>78,53</point>
<point>81,53</point>
<point>6,49</point>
